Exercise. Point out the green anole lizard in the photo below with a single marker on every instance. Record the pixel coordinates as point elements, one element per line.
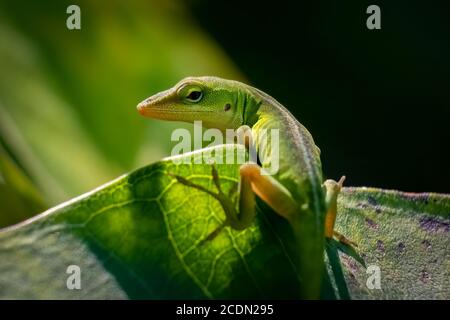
<point>297,191</point>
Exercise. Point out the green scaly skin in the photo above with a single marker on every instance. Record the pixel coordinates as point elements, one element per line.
<point>226,104</point>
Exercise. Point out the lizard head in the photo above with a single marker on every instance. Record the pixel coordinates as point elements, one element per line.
<point>212,100</point>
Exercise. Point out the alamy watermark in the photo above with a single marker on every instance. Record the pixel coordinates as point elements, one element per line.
<point>374,279</point>
<point>73,21</point>
<point>73,281</point>
<point>267,150</point>
<point>374,20</point>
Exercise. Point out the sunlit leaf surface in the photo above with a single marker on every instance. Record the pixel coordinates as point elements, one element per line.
<point>142,236</point>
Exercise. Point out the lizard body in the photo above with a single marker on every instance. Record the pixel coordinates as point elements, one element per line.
<point>296,191</point>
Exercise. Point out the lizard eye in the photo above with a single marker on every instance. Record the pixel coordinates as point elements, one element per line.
<point>194,96</point>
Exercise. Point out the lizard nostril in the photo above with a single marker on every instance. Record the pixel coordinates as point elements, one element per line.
<point>227,107</point>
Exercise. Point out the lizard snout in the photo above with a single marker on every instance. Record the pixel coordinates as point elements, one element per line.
<point>154,101</point>
<point>141,106</point>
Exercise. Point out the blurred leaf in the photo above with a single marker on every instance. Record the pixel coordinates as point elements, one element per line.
<point>141,236</point>
<point>68,97</point>
<point>41,131</point>
<point>123,53</point>
<point>19,199</point>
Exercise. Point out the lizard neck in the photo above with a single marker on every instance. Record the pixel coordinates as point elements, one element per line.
<point>300,161</point>
<point>249,105</point>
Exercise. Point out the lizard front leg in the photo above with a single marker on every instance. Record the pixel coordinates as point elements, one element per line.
<point>251,182</point>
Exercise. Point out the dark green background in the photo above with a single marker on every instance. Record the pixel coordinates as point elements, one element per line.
<point>376,101</point>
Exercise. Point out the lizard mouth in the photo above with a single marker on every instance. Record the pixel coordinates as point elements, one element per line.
<point>142,107</point>
<point>153,103</point>
<point>150,111</point>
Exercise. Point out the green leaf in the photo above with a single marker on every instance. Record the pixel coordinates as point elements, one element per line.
<point>406,235</point>
<point>141,236</point>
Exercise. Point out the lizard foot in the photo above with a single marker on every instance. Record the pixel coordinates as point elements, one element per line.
<point>228,205</point>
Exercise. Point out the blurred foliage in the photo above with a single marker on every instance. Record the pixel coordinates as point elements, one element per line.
<point>17,192</point>
<point>67,98</point>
